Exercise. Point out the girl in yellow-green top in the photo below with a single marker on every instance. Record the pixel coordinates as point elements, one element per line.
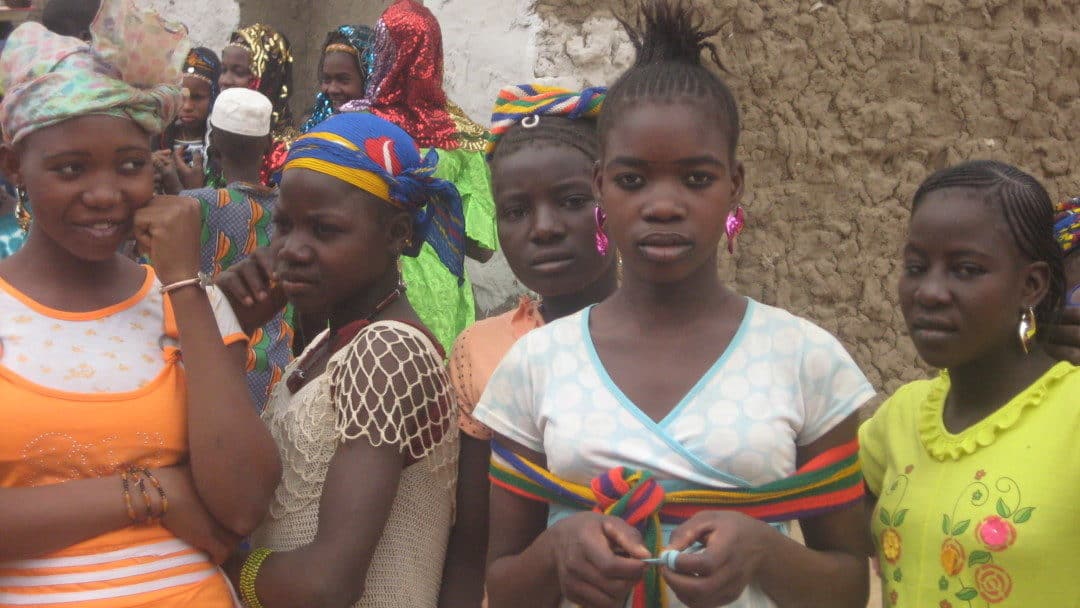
<point>973,475</point>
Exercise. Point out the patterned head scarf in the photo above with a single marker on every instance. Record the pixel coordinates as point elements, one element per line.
<point>358,41</point>
<point>527,104</point>
<point>271,63</point>
<point>406,84</point>
<point>51,78</point>
<point>203,64</point>
<point>380,158</point>
<point>1067,224</point>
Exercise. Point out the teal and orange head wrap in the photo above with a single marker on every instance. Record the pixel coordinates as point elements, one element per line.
<point>381,159</point>
<point>528,104</point>
<point>1067,224</point>
<point>130,70</point>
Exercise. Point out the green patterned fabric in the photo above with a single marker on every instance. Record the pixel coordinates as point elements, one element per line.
<point>445,307</point>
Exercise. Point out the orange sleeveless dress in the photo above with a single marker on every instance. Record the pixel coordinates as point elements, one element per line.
<point>51,436</point>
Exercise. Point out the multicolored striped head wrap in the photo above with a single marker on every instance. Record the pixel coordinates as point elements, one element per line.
<point>528,104</point>
<point>50,78</point>
<point>357,40</point>
<point>271,63</point>
<point>203,64</point>
<point>1067,224</point>
<point>381,159</point>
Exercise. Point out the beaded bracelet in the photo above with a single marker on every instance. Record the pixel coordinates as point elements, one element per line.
<point>125,485</point>
<point>248,573</point>
<point>141,484</point>
<point>160,490</point>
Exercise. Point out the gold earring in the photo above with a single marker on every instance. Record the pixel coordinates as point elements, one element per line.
<point>22,211</point>
<point>1027,329</point>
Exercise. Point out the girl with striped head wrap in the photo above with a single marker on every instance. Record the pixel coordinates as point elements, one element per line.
<point>542,151</point>
<point>366,411</point>
<point>199,88</point>
<point>1067,231</point>
<point>259,57</point>
<point>406,88</point>
<point>111,450</point>
<point>344,68</point>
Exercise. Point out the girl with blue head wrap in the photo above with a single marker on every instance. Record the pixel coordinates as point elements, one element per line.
<point>366,410</point>
<point>344,69</point>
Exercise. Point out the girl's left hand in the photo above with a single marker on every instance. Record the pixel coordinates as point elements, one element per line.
<point>719,574</point>
<point>167,230</point>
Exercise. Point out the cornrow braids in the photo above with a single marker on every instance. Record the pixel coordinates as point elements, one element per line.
<point>1026,208</point>
<point>579,134</point>
<point>669,39</point>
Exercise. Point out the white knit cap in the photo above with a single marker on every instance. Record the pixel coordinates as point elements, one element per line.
<point>243,112</point>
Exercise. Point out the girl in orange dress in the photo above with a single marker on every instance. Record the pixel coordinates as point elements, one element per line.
<point>131,458</point>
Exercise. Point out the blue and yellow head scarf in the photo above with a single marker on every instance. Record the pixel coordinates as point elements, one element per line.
<point>379,158</point>
<point>362,41</point>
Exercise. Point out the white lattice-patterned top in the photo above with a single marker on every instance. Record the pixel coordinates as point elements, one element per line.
<point>345,403</point>
<point>113,350</point>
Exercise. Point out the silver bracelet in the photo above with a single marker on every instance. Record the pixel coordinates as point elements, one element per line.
<point>201,280</point>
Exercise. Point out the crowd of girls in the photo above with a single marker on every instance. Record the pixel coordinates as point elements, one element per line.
<point>635,433</point>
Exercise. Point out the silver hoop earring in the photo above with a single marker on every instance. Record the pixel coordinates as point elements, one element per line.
<point>1027,329</point>
<point>530,122</point>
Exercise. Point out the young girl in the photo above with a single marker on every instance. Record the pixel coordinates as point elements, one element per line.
<point>181,158</point>
<point>344,67</point>
<point>201,70</point>
<point>131,459</point>
<point>258,57</point>
<point>406,88</point>
<point>1063,337</point>
<point>695,413</point>
<point>364,419</point>
<point>974,496</point>
<point>544,145</point>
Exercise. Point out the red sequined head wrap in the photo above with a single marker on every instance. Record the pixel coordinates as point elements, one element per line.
<point>407,80</point>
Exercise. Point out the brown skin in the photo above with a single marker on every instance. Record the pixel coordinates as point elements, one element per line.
<point>341,78</point>
<point>335,251</point>
<point>235,68</point>
<point>544,207</point>
<point>964,286</point>
<point>196,108</point>
<point>95,170</point>
<point>667,180</point>
<point>1063,338</point>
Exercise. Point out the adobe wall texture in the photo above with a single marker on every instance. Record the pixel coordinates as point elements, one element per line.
<point>847,105</point>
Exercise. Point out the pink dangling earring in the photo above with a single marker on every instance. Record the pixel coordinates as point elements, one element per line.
<point>736,221</point>
<point>601,236</point>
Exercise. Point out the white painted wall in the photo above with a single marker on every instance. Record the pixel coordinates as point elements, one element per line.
<point>209,22</point>
<point>487,44</point>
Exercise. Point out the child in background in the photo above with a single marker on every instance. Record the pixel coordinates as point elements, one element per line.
<point>677,405</point>
<point>1063,336</point>
<point>236,220</point>
<point>113,489</point>
<point>365,418</point>
<point>184,142</point>
<point>974,481</point>
<point>543,149</point>
<point>259,58</point>
<point>344,68</point>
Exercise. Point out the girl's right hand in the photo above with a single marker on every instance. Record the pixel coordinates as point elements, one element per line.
<point>252,290</point>
<point>598,558</point>
<point>188,518</point>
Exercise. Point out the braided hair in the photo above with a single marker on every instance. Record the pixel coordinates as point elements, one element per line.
<point>669,39</point>
<point>1027,209</point>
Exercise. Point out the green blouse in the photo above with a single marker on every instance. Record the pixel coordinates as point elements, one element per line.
<point>445,307</point>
